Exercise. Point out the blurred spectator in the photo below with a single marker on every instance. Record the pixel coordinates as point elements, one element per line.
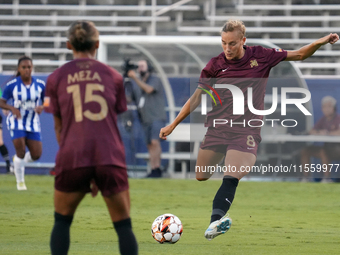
<point>151,107</point>
<point>329,124</point>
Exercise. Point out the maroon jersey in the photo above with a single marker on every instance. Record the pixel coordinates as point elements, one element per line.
<point>252,70</point>
<point>329,125</point>
<point>87,95</point>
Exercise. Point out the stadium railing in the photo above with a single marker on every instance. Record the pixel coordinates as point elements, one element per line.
<point>37,62</point>
<point>173,69</point>
<point>274,18</point>
<point>58,39</point>
<point>68,7</point>
<point>318,66</point>
<point>189,133</point>
<point>288,7</point>
<point>29,51</point>
<point>28,28</point>
<point>70,18</point>
<point>34,167</point>
<point>292,29</point>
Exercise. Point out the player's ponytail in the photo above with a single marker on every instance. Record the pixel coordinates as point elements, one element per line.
<point>19,61</point>
<point>83,35</point>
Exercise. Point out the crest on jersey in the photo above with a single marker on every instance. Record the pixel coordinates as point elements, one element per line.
<point>84,64</point>
<point>253,63</point>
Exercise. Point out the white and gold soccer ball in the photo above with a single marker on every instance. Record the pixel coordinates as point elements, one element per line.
<point>167,228</point>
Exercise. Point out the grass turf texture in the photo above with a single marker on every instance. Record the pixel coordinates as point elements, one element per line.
<point>268,218</point>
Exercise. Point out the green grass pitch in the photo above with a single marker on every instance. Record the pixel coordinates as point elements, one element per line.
<point>268,218</point>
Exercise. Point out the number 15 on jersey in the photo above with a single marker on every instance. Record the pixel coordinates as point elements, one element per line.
<point>89,97</point>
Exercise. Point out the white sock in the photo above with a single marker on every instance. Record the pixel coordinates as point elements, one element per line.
<point>28,157</point>
<point>19,168</point>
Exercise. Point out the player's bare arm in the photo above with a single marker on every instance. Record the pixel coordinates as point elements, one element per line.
<point>8,107</point>
<point>144,86</point>
<point>187,108</point>
<point>57,127</point>
<point>39,109</point>
<point>308,50</point>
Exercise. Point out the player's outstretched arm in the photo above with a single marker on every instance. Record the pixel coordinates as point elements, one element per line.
<point>308,50</point>
<point>187,108</point>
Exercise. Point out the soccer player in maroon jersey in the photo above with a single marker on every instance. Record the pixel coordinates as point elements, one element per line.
<point>243,67</point>
<point>85,97</point>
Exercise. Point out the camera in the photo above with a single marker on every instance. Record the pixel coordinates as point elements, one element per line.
<point>127,66</point>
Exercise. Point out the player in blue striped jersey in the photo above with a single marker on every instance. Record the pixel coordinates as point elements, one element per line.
<point>24,94</point>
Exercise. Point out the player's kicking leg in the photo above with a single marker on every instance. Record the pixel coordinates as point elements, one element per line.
<point>220,222</point>
<point>206,158</point>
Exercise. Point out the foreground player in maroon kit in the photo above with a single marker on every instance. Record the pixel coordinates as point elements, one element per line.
<point>85,98</point>
<point>243,67</point>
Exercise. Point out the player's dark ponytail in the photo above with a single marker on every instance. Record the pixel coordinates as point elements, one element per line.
<point>19,61</point>
<point>83,35</point>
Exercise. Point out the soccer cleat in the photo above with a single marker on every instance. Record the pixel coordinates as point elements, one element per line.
<point>155,173</point>
<point>21,186</point>
<point>218,227</point>
<point>9,169</point>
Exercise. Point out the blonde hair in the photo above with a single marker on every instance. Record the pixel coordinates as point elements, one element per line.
<point>83,35</point>
<point>232,25</point>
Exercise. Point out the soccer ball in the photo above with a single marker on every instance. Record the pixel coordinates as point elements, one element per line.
<point>167,228</point>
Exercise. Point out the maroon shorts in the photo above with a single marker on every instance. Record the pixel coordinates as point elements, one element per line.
<point>109,179</point>
<point>222,142</point>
